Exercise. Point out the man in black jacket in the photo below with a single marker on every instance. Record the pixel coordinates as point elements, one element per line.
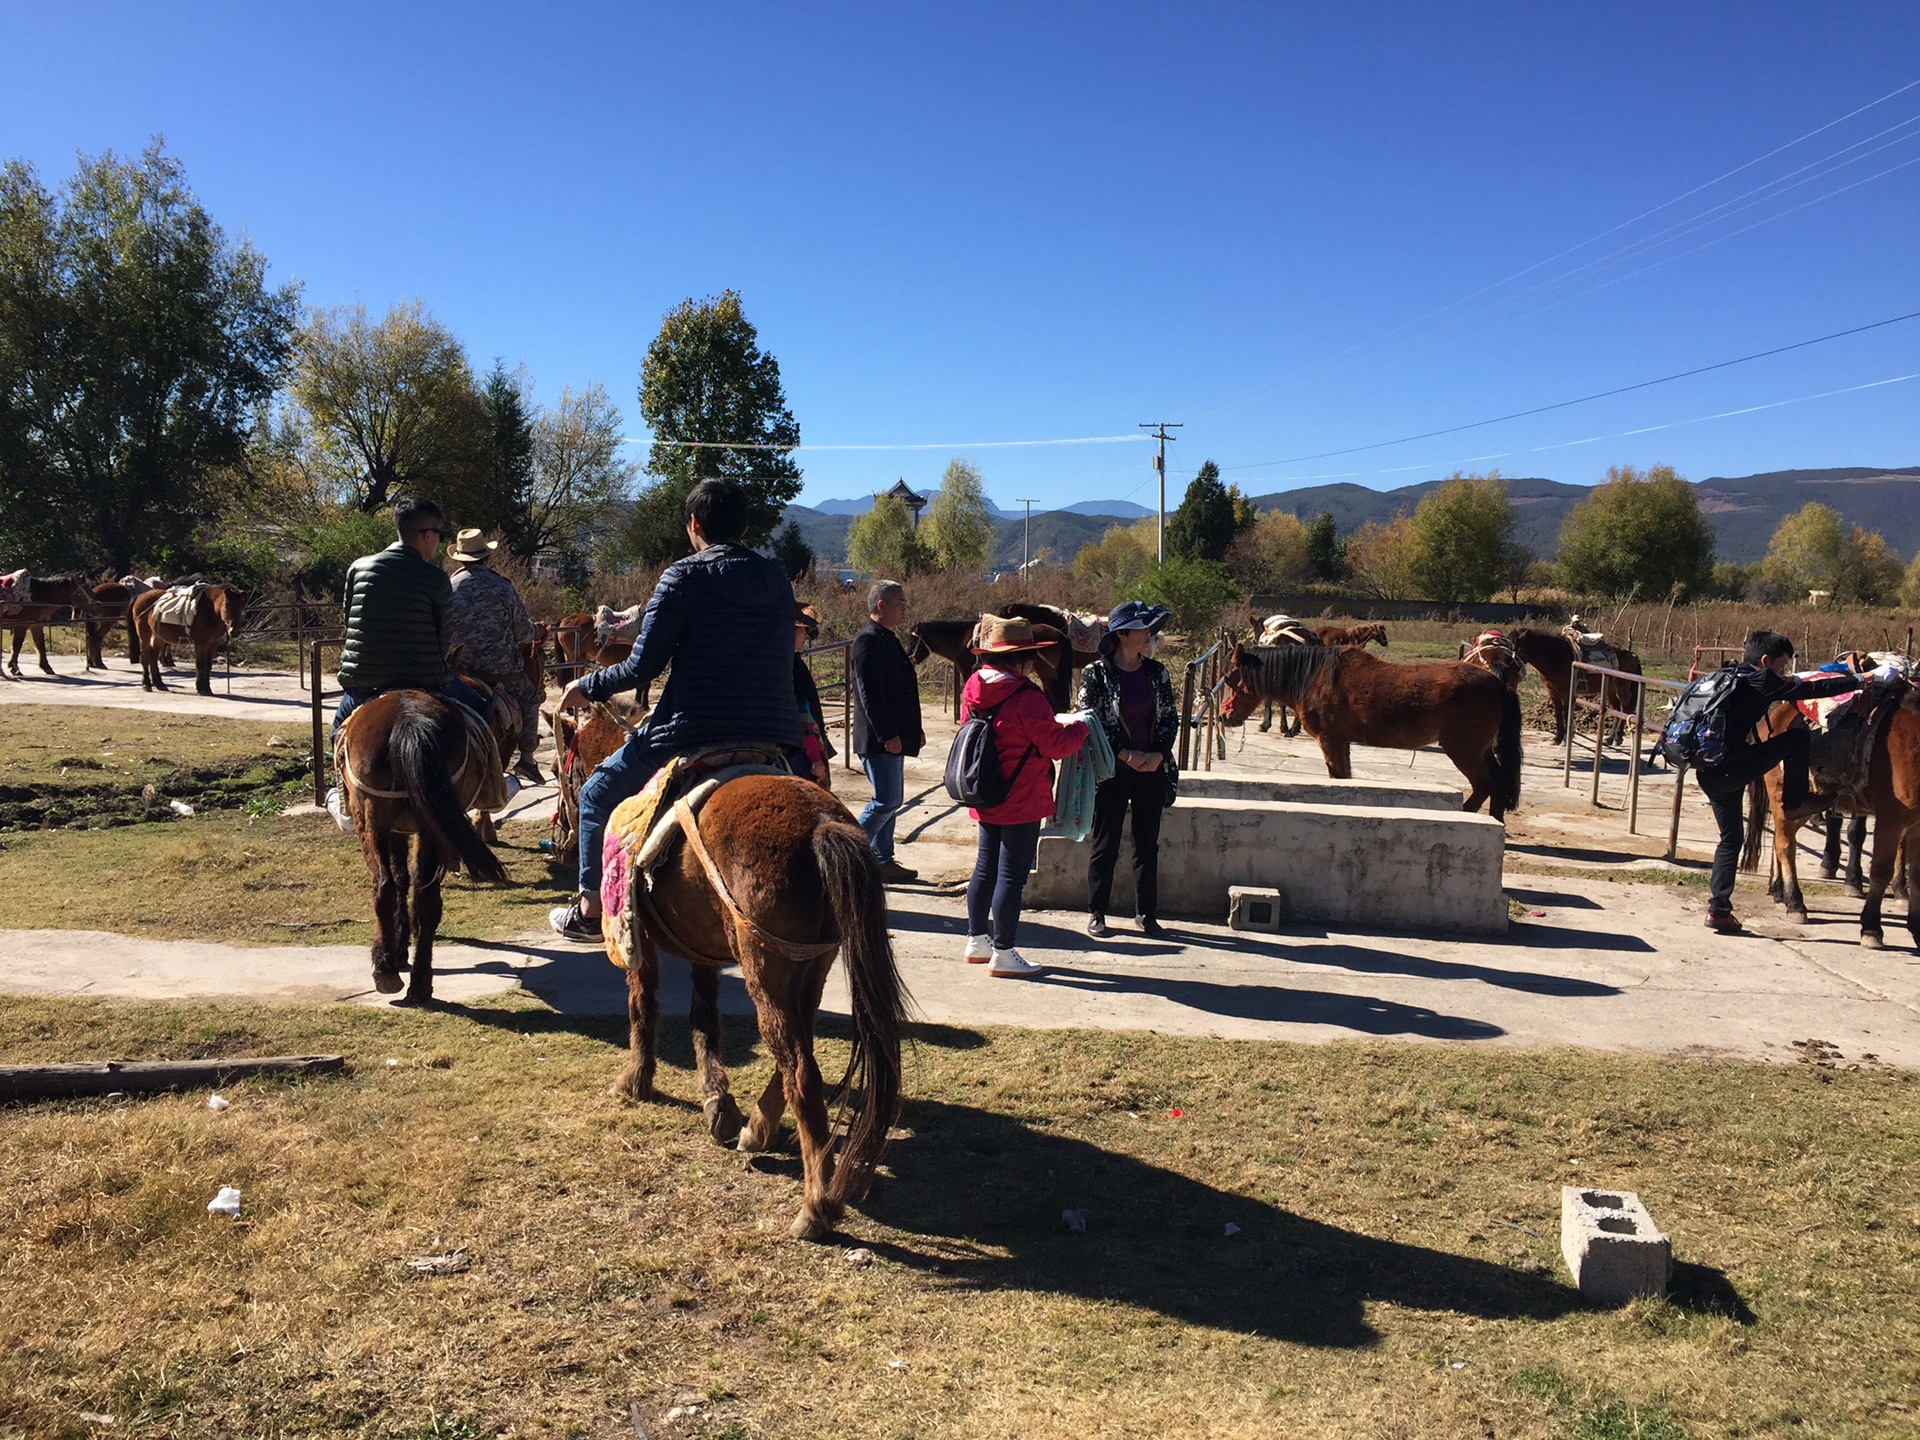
<point>1764,682</point>
<point>722,619</point>
<point>886,718</point>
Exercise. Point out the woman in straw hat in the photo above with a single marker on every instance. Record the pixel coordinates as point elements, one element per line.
<point>1026,739</point>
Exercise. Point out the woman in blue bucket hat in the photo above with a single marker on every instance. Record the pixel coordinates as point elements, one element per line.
<point>1132,694</point>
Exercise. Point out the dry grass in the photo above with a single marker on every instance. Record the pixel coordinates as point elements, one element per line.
<point>52,745</point>
<point>265,880</point>
<point>1385,1280</point>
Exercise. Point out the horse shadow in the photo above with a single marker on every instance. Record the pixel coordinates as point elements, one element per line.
<point>980,1197</point>
<point>1386,962</point>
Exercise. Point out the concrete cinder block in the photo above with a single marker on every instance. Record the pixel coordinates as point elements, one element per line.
<point>1255,907</point>
<point>1612,1246</point>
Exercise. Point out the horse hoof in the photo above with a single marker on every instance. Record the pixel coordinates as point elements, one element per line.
<point>809,1227</point>
<point>1869,940</point>
<point>387,982</point>
<point>1797,917</point>
<point>1827,872</point>
<point>724,1120</point>
<point>630,1087</point>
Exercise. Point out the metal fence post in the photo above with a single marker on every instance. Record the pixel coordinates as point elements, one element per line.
<point>319,767</point>
<point>1566,763</point>
<point>1599,740</point>
<point>1633,760</point>
<point>1186,717</point>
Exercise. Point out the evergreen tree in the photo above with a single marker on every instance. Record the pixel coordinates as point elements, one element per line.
<point>1205,524</point>
<point>1326,550</point>
<point>791,550</point>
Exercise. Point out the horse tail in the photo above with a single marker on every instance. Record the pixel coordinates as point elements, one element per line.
<point>418,758</point>
<point>850,878</point>
<point>1756,826</point>
<point>1506,755</point>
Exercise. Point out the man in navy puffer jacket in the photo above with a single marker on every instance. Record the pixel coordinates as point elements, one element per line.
<point>722,621</point>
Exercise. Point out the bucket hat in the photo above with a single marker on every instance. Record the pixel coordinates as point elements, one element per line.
<point>1133,615</point>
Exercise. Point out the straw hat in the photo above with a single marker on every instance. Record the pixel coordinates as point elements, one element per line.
<point>469,547</point>
<point>998,635</point>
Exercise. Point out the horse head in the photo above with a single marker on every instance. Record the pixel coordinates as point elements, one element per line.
<point>1380,634</point>
<point>917,650</point>
<point>230,605</point>
<point>1237,700</point>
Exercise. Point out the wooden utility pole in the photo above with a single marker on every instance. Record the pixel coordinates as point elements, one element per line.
<point>1160,428</point>
<point>1026,545</point>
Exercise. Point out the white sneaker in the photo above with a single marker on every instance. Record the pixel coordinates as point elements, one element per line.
<point>337,809</point>
<point>1012,965</point>
<point>979,949</point>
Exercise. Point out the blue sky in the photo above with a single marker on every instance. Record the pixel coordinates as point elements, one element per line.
<point>992,223</point>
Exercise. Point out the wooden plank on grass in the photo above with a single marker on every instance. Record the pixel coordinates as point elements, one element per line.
<point>105,1077</point>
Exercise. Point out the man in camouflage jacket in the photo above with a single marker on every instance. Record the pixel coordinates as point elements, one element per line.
<point>489,625</point>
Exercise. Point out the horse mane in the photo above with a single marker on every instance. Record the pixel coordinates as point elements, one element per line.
<point>1282,672</point>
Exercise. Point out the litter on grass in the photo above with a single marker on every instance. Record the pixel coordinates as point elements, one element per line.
<point>216,1102</point>
<point>454,1262</point>
<point>227,1203</point>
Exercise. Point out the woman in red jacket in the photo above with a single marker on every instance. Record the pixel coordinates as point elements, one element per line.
<point>1026,740</point>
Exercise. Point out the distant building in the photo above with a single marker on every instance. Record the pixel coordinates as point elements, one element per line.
<point>914,503</point>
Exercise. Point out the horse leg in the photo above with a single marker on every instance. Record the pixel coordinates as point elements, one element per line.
<point>428,871</point>
<point>389,921</point>
<point>1266,720</point>
<point>203,668</point>
<point>1479,771</point>
<point>786,1025</point>
<point>13,665</point>
<point>1830,856</point>
<point>1339,757</point>
<point>643,1020</point>
<point>483,825</point>
<point>40,644</point>
<point>1886,848</point>
<point>763,1126</point>
<point>1856,841</point>
<point>724,1120</point>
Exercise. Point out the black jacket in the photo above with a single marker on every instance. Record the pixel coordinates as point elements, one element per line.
<point>398,617</point>
<point>886,693</point>
<point>723,620</point>
<point>1759,690</point>
<point>1100,693</point>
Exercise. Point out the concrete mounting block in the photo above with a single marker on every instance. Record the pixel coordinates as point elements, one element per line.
<point>1255,907</point>
<point>1612,1246</point>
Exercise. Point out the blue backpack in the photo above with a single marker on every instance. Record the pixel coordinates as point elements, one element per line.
<point>1696,732</point>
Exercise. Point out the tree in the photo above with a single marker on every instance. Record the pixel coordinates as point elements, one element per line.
<point>496,493</point>
<point>392,405</point>
<point>1272,557</point>
<point>1384,560</point>
<point>1246,514</point>
<point>1465,528</point>
<point>1804,553</point>
<point>137,345</point>
<point>713,401</point>
<point>1326,550</point>
<point>575,475</point>
<point>1637,532</point>
<point>1195,590</point>
<point>1867,572</point>
<point>791,550</point>
<point>1910,585</point>
<point>882,542</point>
<point>1204,525</point>
<point>1118,559</point>
<point>959,526</point>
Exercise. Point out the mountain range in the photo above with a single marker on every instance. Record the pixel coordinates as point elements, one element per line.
<point>1743,511</point>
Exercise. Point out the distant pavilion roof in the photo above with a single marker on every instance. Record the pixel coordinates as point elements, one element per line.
<point>900,492</point>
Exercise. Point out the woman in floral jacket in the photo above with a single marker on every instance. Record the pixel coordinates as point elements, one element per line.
<point>1133,696</point>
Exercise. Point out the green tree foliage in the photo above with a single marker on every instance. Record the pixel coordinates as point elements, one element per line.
<point>1195,590</point>
<point>136,342</point>
<point>1245,513</point>
<point>1205,524</point>
<point>882,542</point>
<point>576,476</point>
<point>1118,559</point>
<point>1326,549</point>
<point>1272,557</point>
<point>1637,533</point>
<point>1384,560</point>
<point>1867,573</point>
<point>1465,530</point>
<point>959,526</point>
<point>495,495</point>
<point>1804,553</point>
<point>1910,585</point>
<point>791,550</point>
<point>392,406</point>
<point>706,380</point>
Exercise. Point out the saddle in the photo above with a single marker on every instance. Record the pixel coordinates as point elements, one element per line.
<point>177,605</point>
<point>644,830</point>
<point>610,624</point>
<point>490,789</point>
<point>1840,755</point>
<point>1285,630</point>
<point>1590,647</point>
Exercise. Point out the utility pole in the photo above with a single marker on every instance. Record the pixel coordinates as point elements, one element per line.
<point>1160,428</point>
<point>1026,545</point>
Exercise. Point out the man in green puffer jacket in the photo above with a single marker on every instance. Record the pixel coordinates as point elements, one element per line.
<point>397,615</point>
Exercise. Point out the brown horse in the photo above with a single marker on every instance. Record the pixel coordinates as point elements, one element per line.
<point>217,613</point>
<point>1349,697</point>
<point>45,601</point>
<point>1891,797</point>
<point>951,640</point>
<point>408,768</point>
<point>113,605</point>
<point>579,745</point>
<point>1552,654</point>
<point>777,878</point>
<point>578,639</point>
<point>1353,634</point>
<point>1492,650</point>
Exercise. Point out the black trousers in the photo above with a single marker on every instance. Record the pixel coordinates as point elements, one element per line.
<point>1725,786</point>
<point>1143,794</point>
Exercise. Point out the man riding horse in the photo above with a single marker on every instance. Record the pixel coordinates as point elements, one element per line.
<point>489,625</point>
<point>722,620</point>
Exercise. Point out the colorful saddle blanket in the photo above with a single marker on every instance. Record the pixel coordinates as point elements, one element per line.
<point>14,590</point>
<point>1086,632</point>
<point>610,624</point>
<point>644,829</point>
<point>1841,753</point>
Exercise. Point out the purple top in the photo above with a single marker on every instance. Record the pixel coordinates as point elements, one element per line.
<point>1136,706</point>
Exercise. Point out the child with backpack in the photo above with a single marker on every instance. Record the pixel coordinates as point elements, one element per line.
<point>1014,794</point>
<point>1732,760</point>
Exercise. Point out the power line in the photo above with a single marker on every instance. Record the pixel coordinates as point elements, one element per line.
<point>957,445</point>
<point>1582,400</point>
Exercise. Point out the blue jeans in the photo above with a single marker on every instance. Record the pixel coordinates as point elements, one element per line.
<point>888,774</point>
<point>1000,871</point>
<point>456,691</point>
<point>622,774</point>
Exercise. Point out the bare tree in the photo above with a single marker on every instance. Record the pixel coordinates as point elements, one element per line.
<point>577,470</point>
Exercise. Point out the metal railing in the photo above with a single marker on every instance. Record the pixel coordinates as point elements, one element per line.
<point>1200,693</point>
<point>1636,718</point>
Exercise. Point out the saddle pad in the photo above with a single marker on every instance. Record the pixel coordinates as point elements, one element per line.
<point>13,587</point>
<point>176,606</point>
<point>610,623</point>
<point>1086,632</point>
<point>642,833</point>
<point>1285,630</point>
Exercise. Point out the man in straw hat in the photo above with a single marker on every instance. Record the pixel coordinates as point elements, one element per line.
<point>490,625</point>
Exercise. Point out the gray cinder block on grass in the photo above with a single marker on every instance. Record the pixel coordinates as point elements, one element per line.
<point>1254,907</point>
<point>1612,1246</point>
